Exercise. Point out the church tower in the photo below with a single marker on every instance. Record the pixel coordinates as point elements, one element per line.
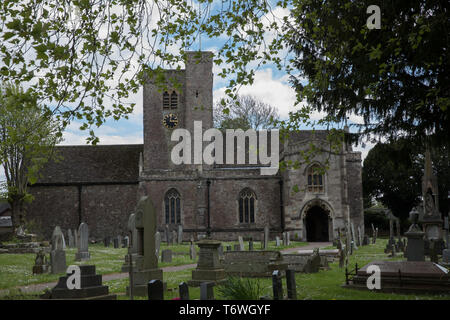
<point>185,98</point>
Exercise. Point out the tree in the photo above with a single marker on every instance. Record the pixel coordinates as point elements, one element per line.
<point>396,78</point>
<point>245,112</point>
<point>392,174</point>
<point>83,58</point>
<point>27,137</point>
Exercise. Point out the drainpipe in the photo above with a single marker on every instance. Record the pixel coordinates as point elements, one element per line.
<point>208,229</point>
<point>281,206</point>
<point>79,204</point>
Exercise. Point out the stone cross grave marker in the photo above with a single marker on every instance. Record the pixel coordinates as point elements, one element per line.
<point>83,250</point>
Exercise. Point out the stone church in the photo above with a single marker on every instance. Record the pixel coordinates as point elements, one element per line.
<point>100,185</point>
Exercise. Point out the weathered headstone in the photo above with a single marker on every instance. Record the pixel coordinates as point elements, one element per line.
<point>155,290</point>
<point>266,237</point>
<point>241,243</point>
<point>288,238</point>
<point>146,260</point>
<point>119,240</point>
<point>236,247</point>
<point>133,247</point>
<point>284,235</point>
<point>76,238</point>
<point>354,239</point>
<point>106,241</point>
<point>183,289</point>
<point>192,252</point>
<point>166,255</point>
<point>277,285</point>
<point>229,248</point>
<point>167,234</point>
<point>157,243</point>
<point>83,251</point>
<point>126,242</point>
<point>290,284</point>
<point>71,239</point>
<point>40,263</point>
<point>116,243</point>
<point>415,250</point>
<point>57,255</point>
<point>180,234</point>
<point>313,264</point>
<point>207,291</point>
<point>250,245</point>
<point>174,237</point>
<point>277,241</point>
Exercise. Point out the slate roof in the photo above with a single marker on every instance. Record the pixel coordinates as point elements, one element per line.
<point>87,163</point>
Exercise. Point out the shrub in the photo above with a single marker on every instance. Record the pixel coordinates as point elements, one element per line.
<point>236,288</point>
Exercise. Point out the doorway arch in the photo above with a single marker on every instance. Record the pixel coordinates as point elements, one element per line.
<point>317,225</point>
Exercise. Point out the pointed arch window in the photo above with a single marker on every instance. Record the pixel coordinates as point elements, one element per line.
<point>315,179</point>
<point>172,206</point>
<point>174,100</point>
<point>247,206</point>
<point>166,100</point>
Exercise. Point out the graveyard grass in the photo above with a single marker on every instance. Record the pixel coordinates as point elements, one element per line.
<point>15,270</point>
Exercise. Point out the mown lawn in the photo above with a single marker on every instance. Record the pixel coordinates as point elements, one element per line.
<point>16,269</point>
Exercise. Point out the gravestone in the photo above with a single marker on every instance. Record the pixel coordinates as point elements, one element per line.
<point>374,238</point>
<point>183,289</point>
<point>192,252</point>
<point>220,249</point>
<point>157,243</point>
<point>207,291</point>
<point>116,243</point>
<point>71,239</point>
<point>76,238</point>
<point>126,242</point>
<point>155,290</point>
<point>288,238</point>
<point>284,235</point>
<point>146,261</point>
<point>277,241</point>
<point>132,248</point>
<point>250,245</point>
<point>166,255</point>
<point>277,285</point>
<point>229,248</point>
<point>354,239</point>
<point>341,257</point>
<point>180,234</point>
<point>415,250</point>
<point>241,243</point>
<point>290,283</point>
<point>119,240</point>
<point>167,234</point>
<point>366,240</point>
<point>209,268</point>
<point>40,263</point>
<point>174,237</point>
<point>236,247</point>
<point>83,253</point>
<point>107,241</point>
<point>266,237</point>
<point>313,264</point>
<point>91,287</point>
<point>57,255</point>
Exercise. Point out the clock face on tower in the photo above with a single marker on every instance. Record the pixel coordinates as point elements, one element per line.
<point>170,121</point>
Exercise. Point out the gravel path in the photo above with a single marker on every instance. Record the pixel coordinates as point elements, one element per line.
<point>115,276</point>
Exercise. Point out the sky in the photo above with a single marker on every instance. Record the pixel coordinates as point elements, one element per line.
<point>270,86</point>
